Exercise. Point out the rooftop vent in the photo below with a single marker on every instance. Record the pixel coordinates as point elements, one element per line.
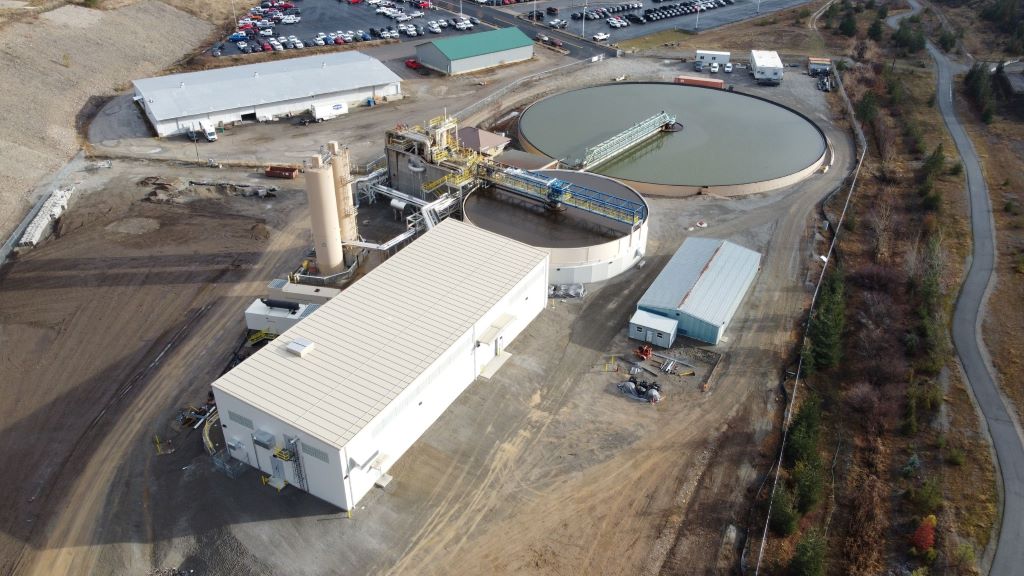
<point>300,347</point>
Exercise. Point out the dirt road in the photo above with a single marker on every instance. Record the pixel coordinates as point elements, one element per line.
<point>160,286</point>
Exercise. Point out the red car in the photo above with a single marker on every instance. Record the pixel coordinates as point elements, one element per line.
<point>267,47</point>
<point>285,6</point>
<point>413,63</point>
<point>339,40</point>
<point>354,1</point>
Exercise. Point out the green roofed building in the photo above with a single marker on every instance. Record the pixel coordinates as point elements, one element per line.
<point>471,52</point>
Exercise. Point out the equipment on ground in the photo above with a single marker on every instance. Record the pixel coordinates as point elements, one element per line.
<point>644,352</point>
<point>641,390</point>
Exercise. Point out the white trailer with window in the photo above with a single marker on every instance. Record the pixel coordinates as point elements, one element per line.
<point>766,66</point>
<point>710,56</point>
<point>330,405</point>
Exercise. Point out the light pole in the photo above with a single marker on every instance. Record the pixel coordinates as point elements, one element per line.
<point>460,7</point>
<point>758,6</point>
<point>696,26</point>
<point>583,23</point>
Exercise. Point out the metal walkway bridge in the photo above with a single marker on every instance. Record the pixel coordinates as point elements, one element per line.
<point>628,138</point>
<point>555,193</point>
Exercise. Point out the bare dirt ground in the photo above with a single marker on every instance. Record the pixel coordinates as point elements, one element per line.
<point>56,66</point>
<point>88,318</point>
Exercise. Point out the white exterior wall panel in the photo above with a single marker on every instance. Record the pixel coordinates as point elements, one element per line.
<point>324,479</point>
<point>491,60</point>
<point>274,110</point>
<point>392,432</point>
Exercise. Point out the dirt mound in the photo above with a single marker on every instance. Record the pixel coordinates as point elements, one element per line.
<point>53,70</point>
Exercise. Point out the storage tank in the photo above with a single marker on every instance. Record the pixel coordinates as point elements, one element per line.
<point>343,199</point>
<point>323,213</point>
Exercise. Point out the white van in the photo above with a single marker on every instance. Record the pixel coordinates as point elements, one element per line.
<point>206,129</point>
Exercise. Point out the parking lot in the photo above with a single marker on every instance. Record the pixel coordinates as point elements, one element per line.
<point>328,16</point>
<point>739,10</point>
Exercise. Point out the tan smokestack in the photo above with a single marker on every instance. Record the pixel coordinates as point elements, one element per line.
<point>343,199</point>
<point>323,213</point>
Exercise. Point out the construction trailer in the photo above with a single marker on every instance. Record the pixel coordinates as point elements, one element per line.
<point>701,287</point>
<point>330,405</point>
<point>654,329</point>
<point>711,56</point>
<point>766,66</point>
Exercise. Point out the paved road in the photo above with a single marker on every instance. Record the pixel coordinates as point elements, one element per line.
<point>967,317</point>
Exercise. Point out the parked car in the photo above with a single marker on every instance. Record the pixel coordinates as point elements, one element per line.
<point>241,45</point>
<point>237,36</point>
<point>714,67</point>
<point>552,10</point>
<point>601,36</point>
<point>728,67</point>
<point>413,64</point>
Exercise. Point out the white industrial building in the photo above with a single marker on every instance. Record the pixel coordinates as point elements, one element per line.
<point>334,402</point>
<point>766,66</point>
<point>699,291</point>
<point>263,92</point>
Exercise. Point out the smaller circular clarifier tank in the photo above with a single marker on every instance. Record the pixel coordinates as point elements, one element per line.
<point>583,247</point>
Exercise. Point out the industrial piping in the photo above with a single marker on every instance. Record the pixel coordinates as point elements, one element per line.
<point>343,198</point>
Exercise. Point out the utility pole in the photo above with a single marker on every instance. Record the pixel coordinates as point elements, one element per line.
<point>583,23</point>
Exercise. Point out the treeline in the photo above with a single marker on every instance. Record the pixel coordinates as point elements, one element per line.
<point>978,83</point>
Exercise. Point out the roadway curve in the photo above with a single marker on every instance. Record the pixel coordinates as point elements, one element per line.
<point>967,332</point>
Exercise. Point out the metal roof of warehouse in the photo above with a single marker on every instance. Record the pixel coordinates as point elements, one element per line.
<point>376,337</point>
<point>196,93</point>
<point>480,43</point>
<point>702,279</point>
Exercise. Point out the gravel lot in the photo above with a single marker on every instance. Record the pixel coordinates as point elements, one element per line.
<point>330,15</point>
<point>57,65</point>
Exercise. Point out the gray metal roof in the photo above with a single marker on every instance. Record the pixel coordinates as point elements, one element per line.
<point>208,91</point>
<point>648,320</point>
<point>382,332</point>
<point>703,279</point>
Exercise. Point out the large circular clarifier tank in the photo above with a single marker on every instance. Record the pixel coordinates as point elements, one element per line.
<point>730,143</point>
<point>583,247</point>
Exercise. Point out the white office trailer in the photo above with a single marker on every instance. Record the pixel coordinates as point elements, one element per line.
<point>334,402</point>
<point>766,66</point>
<point>330,83</point>
<point>700,289</point>
<point>281,289</point>
<point>709,56</point>
<point>654,329</point>
<point>275,316</point>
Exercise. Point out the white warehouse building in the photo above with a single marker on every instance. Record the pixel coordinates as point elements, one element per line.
<point>330,405</point>
<point>699,291</point>
<point>263,92</point>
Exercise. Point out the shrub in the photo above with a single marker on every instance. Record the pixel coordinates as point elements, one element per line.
<point>802,439</point>
<point>875,31</point>
<point>912,466</point>
<point>828,322</point>
<point>808,483</point>
<point>909,36</point>
<point>956,169</point>
<point>883,11</point>
<point>867,108</point>
<point>848,24</point>
<point>955,457</point>
<point>809,559</point>
<point>947,40</point>
<point>926,499</point>
<point>923,539</point>
<point>784,518</point>
<point>963,557</point>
